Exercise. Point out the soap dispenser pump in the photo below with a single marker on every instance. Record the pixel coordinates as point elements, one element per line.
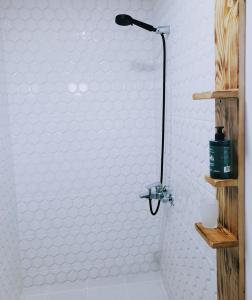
<point>221,166</point>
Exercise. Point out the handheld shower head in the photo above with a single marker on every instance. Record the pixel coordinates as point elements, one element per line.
<point>125,20</point>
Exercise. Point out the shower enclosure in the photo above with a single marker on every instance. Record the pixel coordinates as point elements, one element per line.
<point>80,131</point>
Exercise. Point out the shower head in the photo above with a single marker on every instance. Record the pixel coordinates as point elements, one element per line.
<point>125,20</point>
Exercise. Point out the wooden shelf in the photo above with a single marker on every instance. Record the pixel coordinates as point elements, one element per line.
<point>225,94</point>
<point>221,183</point>
<point>218,237</point>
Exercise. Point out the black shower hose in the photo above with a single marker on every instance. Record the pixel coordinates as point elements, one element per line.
<point>163,128</point>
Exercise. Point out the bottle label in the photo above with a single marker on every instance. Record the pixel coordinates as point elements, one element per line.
<point>220,161</point>
<point>227,169</point>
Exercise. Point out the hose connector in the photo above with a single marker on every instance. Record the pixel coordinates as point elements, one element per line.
<point>163,30</point>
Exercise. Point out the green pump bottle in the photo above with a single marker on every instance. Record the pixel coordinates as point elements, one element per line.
<point>221,165</point>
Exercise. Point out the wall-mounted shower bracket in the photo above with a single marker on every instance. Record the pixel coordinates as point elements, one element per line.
<point>158,191</point>
<point>163,29</point>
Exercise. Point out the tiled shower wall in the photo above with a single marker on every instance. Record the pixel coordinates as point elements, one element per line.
<point>83,123</point>
<point>84,100</point>
<point>10,277</point>
<point>188,266</point>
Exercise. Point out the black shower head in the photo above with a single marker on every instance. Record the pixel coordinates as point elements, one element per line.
<point>125,20</point>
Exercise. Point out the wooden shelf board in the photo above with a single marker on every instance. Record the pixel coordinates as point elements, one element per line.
<point>218,237</point>
<point>220,183</point>
<point>225,94</point>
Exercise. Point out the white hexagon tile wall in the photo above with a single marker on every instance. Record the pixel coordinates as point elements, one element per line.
<point>84,105</point>
<point>83,123</point>
<point>10,275</point>
<point>188,266</point>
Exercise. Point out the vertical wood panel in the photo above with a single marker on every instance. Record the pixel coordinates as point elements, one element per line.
<point>229,63</point>
<point>227,44</point>
<point>228,259</point>
<point>241,150</point>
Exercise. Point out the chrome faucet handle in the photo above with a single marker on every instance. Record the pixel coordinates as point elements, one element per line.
<point>158,191</point>
<point>144,196</point>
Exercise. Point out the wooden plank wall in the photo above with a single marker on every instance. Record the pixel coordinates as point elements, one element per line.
<point>227,44</point>
<point>229,55</point>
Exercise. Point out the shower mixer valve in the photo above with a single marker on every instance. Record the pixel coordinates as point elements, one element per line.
<point>158,191</point>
